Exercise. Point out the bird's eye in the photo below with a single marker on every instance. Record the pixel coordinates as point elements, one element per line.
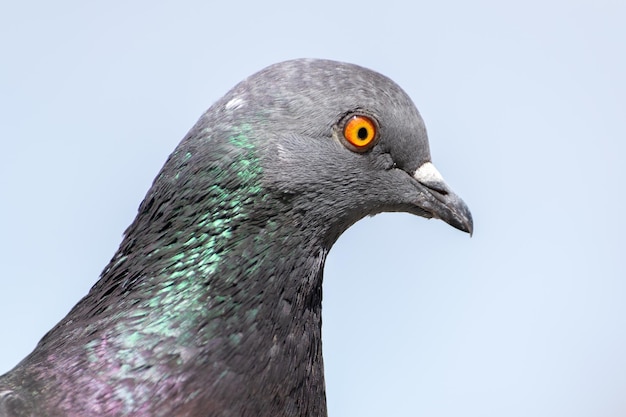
<point>360,133</point>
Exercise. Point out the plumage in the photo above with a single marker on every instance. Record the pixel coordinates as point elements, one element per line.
<point>212,304</point>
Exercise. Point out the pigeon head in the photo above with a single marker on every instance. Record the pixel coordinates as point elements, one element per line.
<point>339,142</point>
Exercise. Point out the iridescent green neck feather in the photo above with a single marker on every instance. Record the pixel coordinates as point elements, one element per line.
<point>188,306</point>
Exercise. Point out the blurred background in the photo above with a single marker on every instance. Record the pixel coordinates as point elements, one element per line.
<point>525,104</point>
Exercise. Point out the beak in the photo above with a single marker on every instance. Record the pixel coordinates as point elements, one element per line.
<point>445,205</point>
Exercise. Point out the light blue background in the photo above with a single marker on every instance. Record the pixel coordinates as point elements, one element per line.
<point>525,103</point>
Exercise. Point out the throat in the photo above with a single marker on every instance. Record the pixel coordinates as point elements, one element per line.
<point>258,335</point>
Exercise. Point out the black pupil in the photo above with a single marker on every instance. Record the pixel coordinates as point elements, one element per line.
<point>362,133</point>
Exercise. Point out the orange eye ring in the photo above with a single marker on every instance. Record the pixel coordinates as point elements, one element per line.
<point>360,133</point>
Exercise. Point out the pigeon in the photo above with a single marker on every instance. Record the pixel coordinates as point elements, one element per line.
<point>211,306</point>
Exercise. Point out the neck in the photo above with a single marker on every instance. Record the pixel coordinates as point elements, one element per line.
<point>208,336</point>
<point>209,304</point>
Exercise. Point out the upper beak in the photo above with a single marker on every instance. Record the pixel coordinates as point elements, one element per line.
<point>446,206</point>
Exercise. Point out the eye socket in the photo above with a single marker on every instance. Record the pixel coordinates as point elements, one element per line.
<point>360,133</point>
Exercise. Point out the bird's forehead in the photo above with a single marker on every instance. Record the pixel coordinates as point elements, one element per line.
<point>323,84</point>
